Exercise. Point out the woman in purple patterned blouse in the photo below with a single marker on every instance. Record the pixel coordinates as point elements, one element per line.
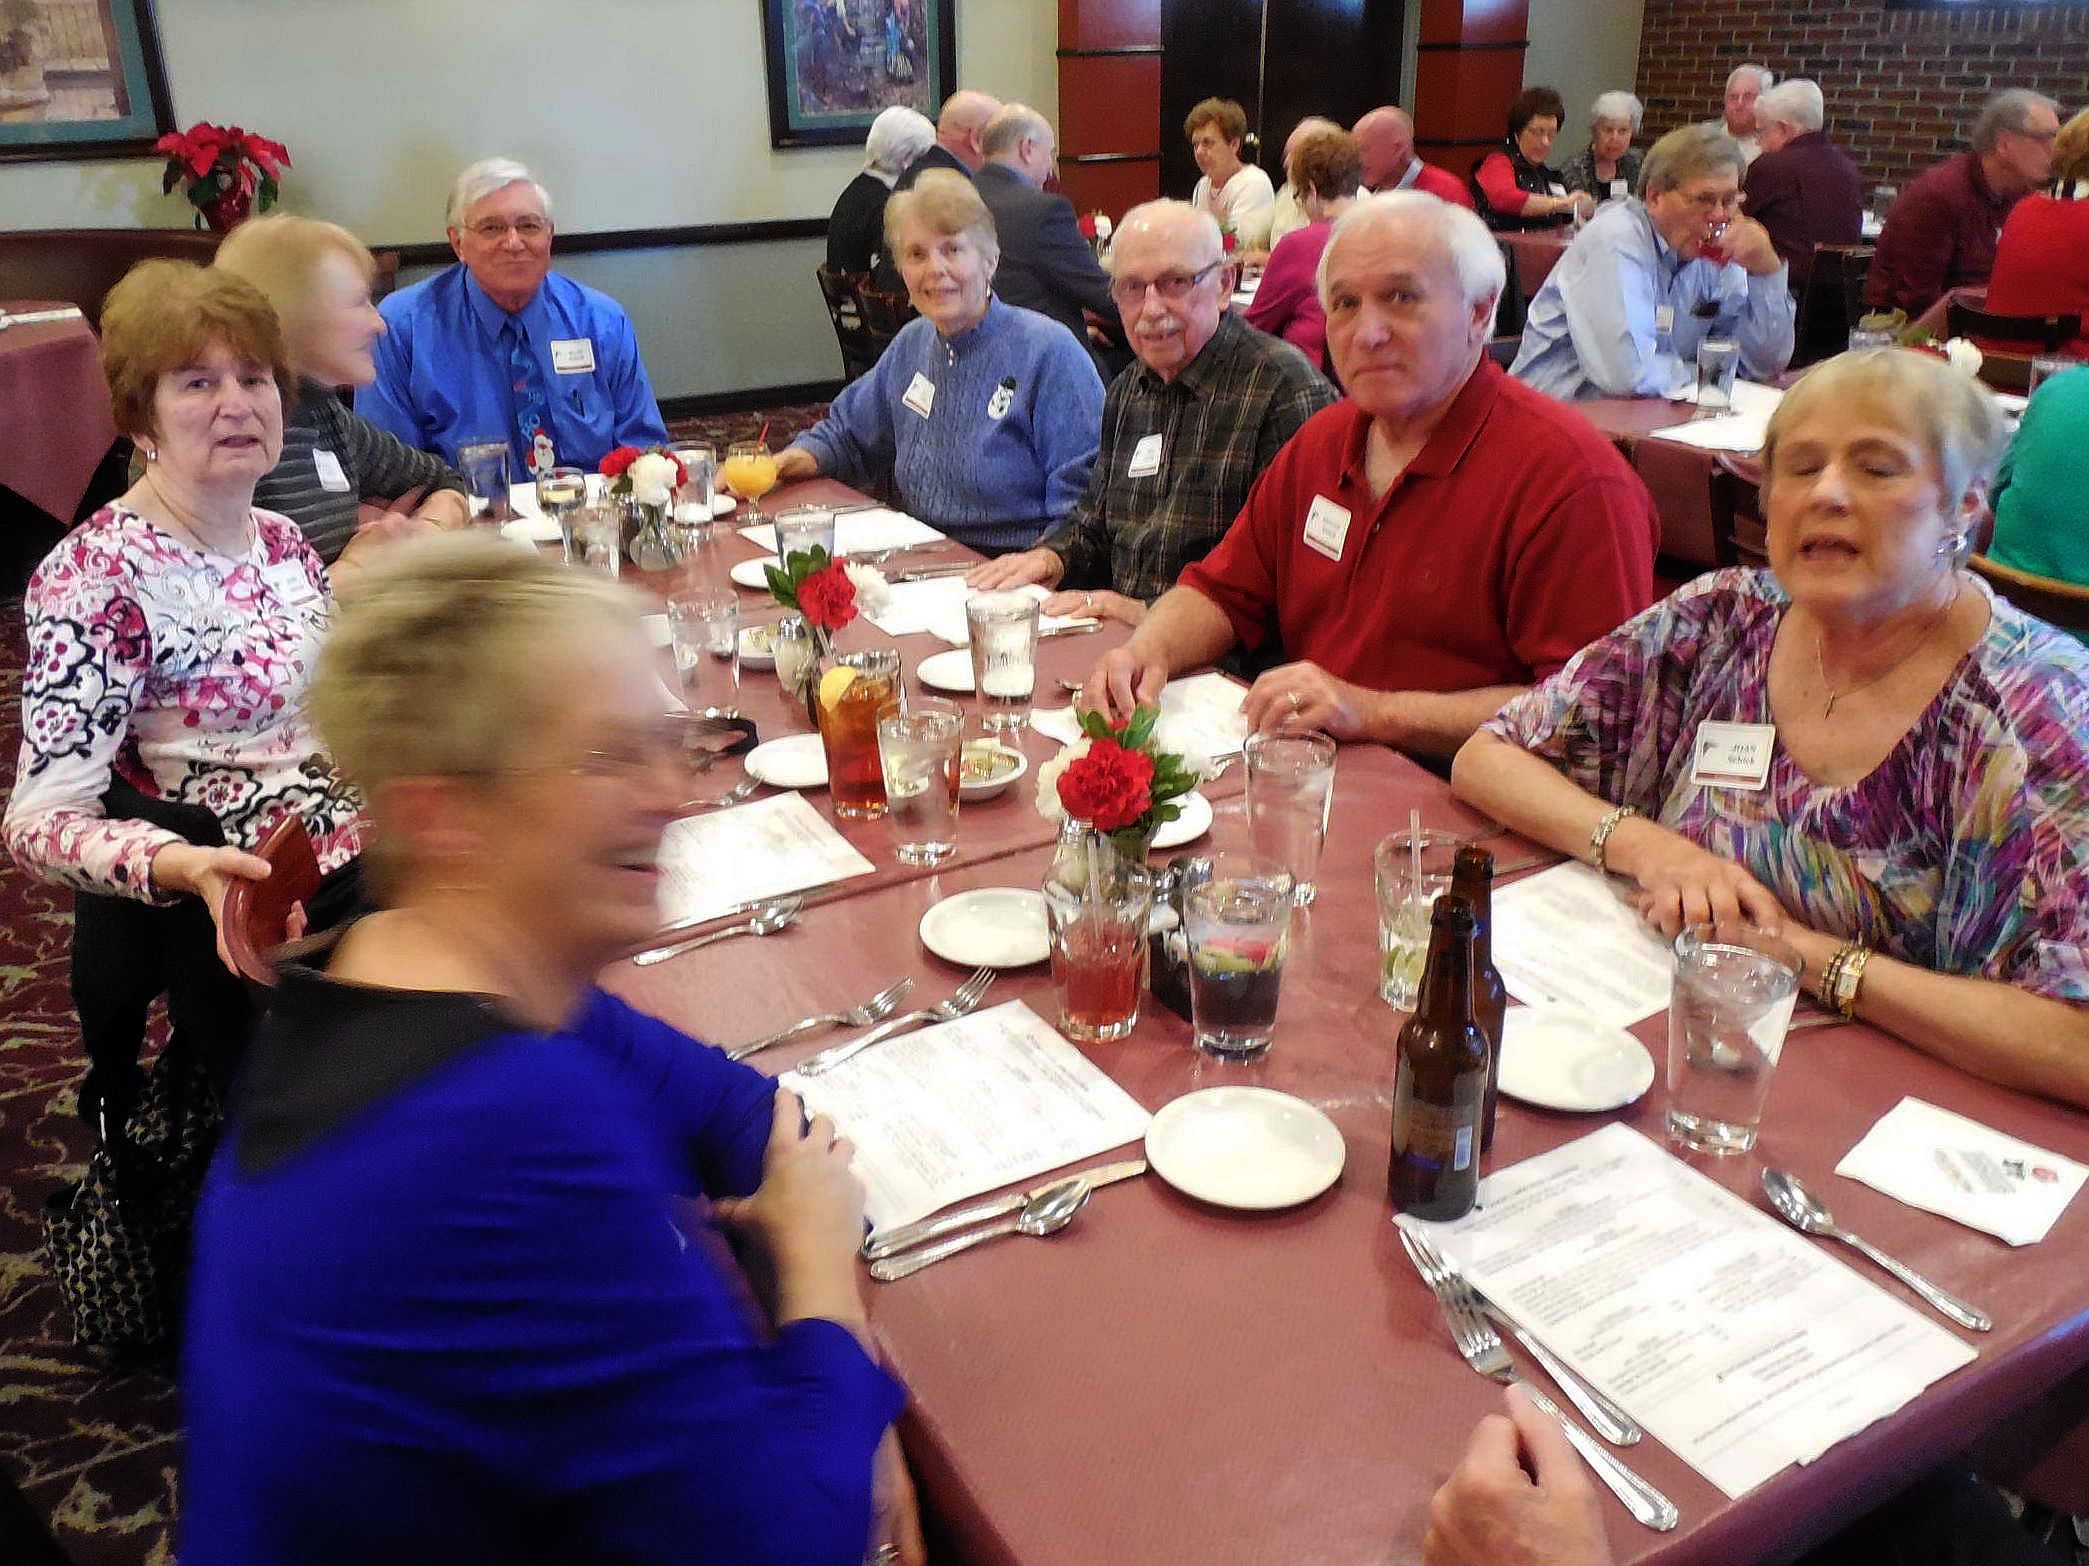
<point>171,635</point>
<point>1926,744</point>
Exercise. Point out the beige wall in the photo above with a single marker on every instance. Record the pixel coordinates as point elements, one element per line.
<point>665,124</point>
<point>1582,48</point>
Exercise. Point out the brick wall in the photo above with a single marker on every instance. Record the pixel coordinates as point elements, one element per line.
<point>1902,86</point>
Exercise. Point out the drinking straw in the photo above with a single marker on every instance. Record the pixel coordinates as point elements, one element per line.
<point>1414,855</point>
<point>761,437</point>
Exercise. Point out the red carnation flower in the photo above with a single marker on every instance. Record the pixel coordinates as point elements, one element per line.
<point>827,598</point>
<point>1228,241</point>
<point>1087,225</point>
<point>614,464</point>
<point>1109,788</point>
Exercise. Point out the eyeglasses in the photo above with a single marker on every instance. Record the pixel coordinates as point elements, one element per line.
<point>1173,287</point>
<point>527,229</point>
<point>629,756</point>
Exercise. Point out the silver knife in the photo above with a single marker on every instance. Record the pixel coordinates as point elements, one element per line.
<point>1072,630</point>
<point>927,573</point>
<point>1610,1422</point>
<point>907,1236</point>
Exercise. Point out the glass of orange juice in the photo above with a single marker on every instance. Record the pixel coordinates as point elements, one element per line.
<point>749,472</point>
<point>856,690</point>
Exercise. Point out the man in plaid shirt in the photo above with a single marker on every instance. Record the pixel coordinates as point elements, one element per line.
<point>1186,431</point>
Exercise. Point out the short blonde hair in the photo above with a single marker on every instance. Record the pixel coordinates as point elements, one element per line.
<point>167,314</point>
<point>280,255</point>
<point>1949,411</point>
<point>944,202</point>
<point>1229,117</point>
<point>2071,150</point>
<point>1329,162</point>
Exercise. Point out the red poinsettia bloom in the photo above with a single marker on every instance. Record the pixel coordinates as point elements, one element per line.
<point>614,464</point>
<point>1109,788</point>
<point>827,598</point>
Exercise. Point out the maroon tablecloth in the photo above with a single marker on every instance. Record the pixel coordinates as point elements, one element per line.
<point>55,425</point>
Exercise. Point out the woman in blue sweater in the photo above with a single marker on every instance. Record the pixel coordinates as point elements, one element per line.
<point>983,417</point>
<point>446,1304</point>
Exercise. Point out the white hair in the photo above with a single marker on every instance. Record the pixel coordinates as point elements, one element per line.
<point>1763,75</point>
<point>482,179</point>
<point>1796,102</point>
<point>1617,106</point>
<point>2010,110</point>
<point>1475,253</point>
<point>897,137</point>
<point>1210,241</point>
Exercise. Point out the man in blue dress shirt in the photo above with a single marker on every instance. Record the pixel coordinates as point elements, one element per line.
<point>1650,278</point>
<point>500,347</point>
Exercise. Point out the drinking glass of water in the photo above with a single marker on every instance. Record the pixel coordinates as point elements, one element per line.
<point>1735,987</point>
<point>598,537</point>
<point>802,529</point>
<point>1291,782</point>
<point>1239,927</point>
<point>1003,627</point>
<point>918,750</point>
<point>704,625</point>
<point>698,489</point>
<point>484,465</point>
<point>1410,873</point>
<point>1718,359</point>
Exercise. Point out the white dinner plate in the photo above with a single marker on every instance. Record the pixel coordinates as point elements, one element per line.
<point>749,573</point>
<point>1562,1059</point>
<point>656,629</point>
<point>537,529</point>
<point>1246,1147</point>
<point>994,927</point>
<point>948,671</point>
<point>1192,824</point>
<point>796,761</point>
<point>754,648</point>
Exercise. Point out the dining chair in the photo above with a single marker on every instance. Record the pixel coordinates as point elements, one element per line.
<point>256,913</point>
<point>859,349</point>
<point>2049,333</point>
<point>1831,302</point>
<point>1739,533</point>
<point>2065,604</point>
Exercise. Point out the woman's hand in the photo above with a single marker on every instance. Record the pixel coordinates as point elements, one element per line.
<point>896,1518</point>
<point>795,462</point>
<point>1100,604</point>
<point>207,873</point>
<point>1681,884</point>
<point>809,1213</point>
<point>1040,566</point>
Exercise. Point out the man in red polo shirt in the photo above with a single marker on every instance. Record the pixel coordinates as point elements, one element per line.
<point>1385,140</point>
<point>1430,545</point>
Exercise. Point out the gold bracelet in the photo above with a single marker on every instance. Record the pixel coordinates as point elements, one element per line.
<point>1831,973</point>
<point>1848,978</point>
<point>1599,839</point>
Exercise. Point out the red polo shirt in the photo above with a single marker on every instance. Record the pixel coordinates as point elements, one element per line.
<point>1515,537</point>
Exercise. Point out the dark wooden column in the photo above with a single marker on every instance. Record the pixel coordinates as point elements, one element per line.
<point>1109,103</point>
<point>1468,69</point>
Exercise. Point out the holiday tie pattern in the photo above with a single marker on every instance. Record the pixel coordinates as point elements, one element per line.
<point>538,455</point>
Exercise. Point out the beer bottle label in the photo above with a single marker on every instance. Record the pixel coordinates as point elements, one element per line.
<point>1441,1134</point>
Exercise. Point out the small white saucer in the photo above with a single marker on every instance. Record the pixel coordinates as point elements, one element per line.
<point>1563,1059</point>
<point>948,671</point>
<point>1246,1147</point>
<point>723,505</point>
<point>754,648</point>
<point>751,573</point>
<point>537,529</point>
<point>1192,824</point>
<point>970,790</point>
<point>656,629</point>
<point>796,761</point>
<point>994,927</point>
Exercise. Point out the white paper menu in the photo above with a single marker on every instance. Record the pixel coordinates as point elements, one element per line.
<point>1200,716</point>
<point>1563,938</point>
<point>938,607</point>
<point>968,1106</point>
<point>859,532</point>
<point>1742,1344</point>
<point>711,864</point>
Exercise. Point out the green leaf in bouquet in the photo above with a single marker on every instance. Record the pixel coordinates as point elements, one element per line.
<point>1138,734</point>
<point>1094,724</point>
<point>782,587</point>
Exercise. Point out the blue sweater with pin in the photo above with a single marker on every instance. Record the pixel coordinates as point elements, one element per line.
<point>987,436</point>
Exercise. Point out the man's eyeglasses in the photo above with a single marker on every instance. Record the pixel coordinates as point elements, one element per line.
<point>493,230</point>
<point>1173,287</point>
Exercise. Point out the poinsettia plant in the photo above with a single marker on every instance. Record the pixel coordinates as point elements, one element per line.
<point>1115,780</point>
<point>226,170</point>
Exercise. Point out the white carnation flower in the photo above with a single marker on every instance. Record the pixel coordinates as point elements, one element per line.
<point>652,478</point>
<point>873,592</point>
<point>1964,356</point>
<point>1102,225</point>
<point>1048,772</point>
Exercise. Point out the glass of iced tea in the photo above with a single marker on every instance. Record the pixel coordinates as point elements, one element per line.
<point>856,690</point>
<point>1097,904</point>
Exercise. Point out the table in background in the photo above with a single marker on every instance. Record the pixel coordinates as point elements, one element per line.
<point>55,423</point>
<point>1537,252</point>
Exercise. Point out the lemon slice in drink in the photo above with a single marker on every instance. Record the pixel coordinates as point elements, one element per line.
<point>834,684</point>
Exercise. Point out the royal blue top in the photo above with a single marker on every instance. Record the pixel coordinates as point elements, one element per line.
<point>444,1307</point>
<point>444,377</point>
<point>1013,416</point>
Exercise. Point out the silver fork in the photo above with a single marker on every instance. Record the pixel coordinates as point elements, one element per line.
<point>876,1009</point>
<point>962,1004</point>
<point>732,796</point>
<point>1480,1346</point>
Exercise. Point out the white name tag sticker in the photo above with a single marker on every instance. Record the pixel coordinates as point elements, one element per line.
<point>328,467</point>
<point>1664,318</point>
<point>1732,755</point>
<point>573,355</point>
<point>1146,458</point>
<point>286,579</point>
<point>1327,527</point>
<point>1556,188</point>
<point>921,394</point>
<point>1619,190</point>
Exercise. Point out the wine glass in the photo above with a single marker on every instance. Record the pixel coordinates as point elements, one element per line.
<point>749,472</point>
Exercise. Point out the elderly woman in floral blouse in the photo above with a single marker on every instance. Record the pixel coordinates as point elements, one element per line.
<point>1921,832</point>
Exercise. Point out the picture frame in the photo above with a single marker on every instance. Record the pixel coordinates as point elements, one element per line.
<point>834,64</point>
<point>81,79</point>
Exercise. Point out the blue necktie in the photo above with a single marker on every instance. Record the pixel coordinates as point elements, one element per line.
<point>528,380</point>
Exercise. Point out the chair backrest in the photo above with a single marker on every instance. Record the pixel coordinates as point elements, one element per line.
<point>2065,604</point>
<point>1831,303</point>
<point>82,264</point>
<point>1739,533</point>
<point>256,913</point>
<point>2047,332</point>
<point>884,313</point>
<point>842,291</point>
<point>1509,314</point>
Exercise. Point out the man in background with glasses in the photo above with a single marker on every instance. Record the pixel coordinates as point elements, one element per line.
<point>501,348</point>
<point>1653,276</point>
<point>1186,430</point>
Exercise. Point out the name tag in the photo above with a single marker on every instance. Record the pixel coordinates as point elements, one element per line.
<point>573,355</point>
<point>1664,318</point>
<point>1327,527</point>
<point>1557,188</point>
<point>287,581</point>
<point>921,394</point>
<point>1732,755</point>
<point>328,467</point>
<point>1146,458</point>
<point>1619,190</point>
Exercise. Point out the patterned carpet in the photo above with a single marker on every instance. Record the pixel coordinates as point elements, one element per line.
<point>95,1454</point>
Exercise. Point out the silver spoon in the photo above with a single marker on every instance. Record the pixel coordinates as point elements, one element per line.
<point>1805,1212</point>
<point>1046,1213</point>
<point>768,919</point>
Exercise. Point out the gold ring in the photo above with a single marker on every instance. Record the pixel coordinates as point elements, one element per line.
<point>1297,702</point>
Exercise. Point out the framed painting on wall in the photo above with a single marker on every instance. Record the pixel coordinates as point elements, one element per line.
<point>834,64</point>
<point>80,79</point>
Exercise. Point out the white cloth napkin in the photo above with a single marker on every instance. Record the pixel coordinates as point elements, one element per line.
<point>1944,1163</point>
<point>34,317</point>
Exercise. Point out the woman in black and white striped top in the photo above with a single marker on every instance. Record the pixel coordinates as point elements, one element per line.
<point>334,464</point>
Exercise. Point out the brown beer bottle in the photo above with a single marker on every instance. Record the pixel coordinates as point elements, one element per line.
<point>1472,878</point>
<point>1441,1089</point>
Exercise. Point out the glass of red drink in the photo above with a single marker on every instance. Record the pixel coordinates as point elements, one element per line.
<point>1098,904</point>
<point>856,689</point>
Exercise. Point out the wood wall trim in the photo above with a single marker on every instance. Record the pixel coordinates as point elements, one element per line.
<point>1099,54</point>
